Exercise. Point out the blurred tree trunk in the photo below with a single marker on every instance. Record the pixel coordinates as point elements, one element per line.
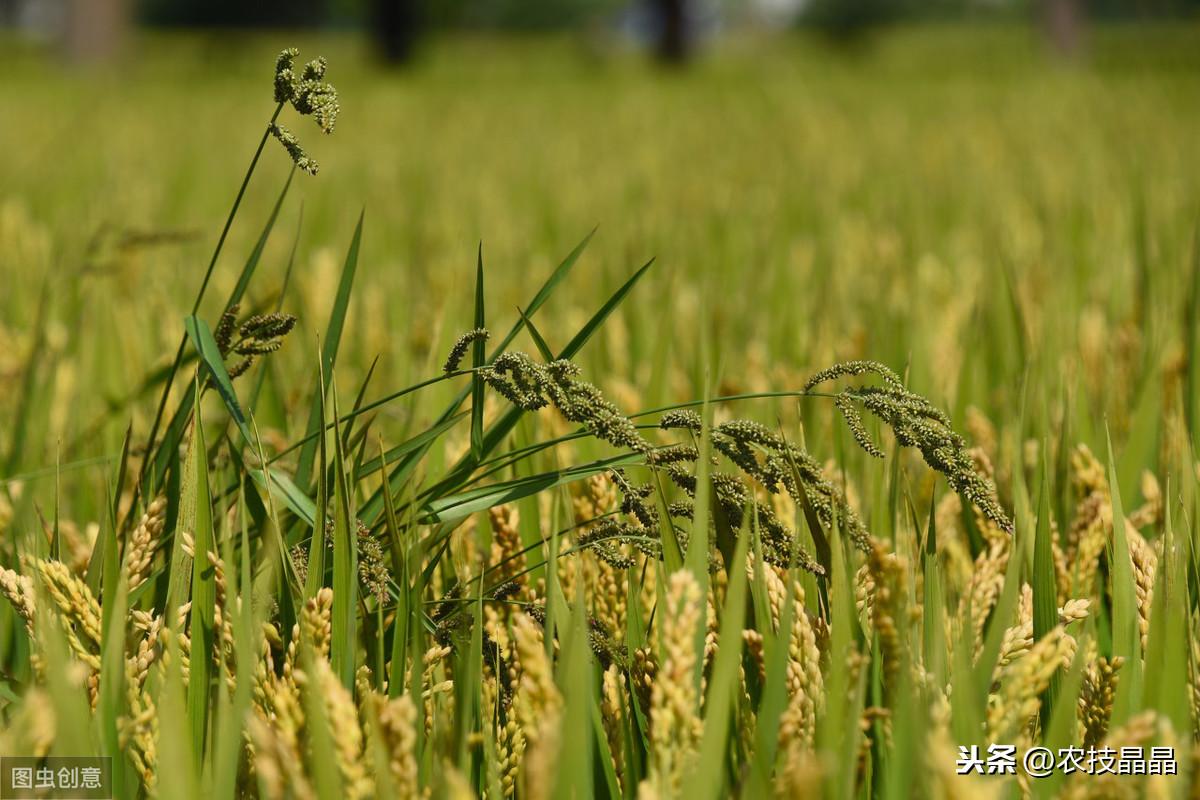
<point>397,24</point>
<point>94,30</point>
<point>673,44</point>
<point>1062,21</point>
<point>8,12</point>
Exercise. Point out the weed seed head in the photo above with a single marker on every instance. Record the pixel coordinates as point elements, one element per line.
<point>461,345</point>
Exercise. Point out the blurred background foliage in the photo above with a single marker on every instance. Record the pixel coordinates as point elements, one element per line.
<point>959,196</point>
<point>673,26</point>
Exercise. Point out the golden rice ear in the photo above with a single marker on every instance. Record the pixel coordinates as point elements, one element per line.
<point>341,715</point>
<point>538,709</point>
<point>675,725</point>
<point>888,573</point>
<point>143,542</point>
<point>20,591</point>
<point>316,622</point>
<point>397,726</point>
<point>1023,683</point>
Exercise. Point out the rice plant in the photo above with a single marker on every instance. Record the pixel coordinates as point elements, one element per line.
<point>541,593</point>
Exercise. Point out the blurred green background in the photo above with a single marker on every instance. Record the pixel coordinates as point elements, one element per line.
<point>971,197</point>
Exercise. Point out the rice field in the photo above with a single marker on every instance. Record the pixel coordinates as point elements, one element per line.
<point>804,423</point>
